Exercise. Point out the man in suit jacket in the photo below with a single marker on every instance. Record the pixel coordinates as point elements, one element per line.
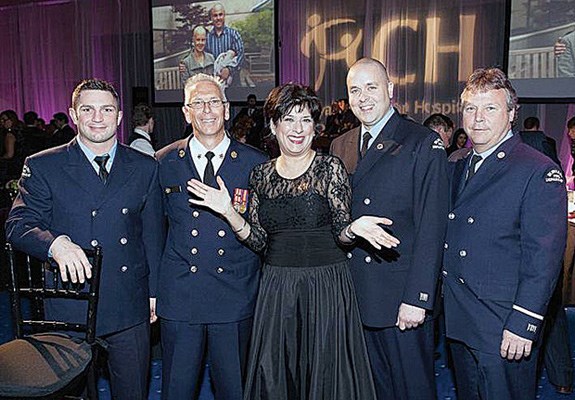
<point>505,240</point>
<point>399,171</point>
<point>95,191</point>
<point>208,279</point>
<point>64,132</point>
<point>535,138</point>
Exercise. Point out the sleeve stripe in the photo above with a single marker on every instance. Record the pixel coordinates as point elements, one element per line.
<point>527,312</point>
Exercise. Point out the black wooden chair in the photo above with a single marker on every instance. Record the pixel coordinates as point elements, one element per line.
<point>43,361</point>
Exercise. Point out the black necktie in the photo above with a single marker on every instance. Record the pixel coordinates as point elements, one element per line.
<point>472,165</point>
<point>365,143</point>
<point>209,171</point>
<point>101,161</point>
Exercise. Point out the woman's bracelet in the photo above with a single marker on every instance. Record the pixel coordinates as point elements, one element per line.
<point>348,233</point>
<point>242,228</point>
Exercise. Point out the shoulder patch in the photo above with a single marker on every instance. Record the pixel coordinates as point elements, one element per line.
<point>554,175</point>
<point>26,172</point>
<point>438,144</point>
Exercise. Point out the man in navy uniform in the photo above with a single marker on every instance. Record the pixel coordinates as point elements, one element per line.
<point>399,171</point>
<point>95,191</point>
<point>208,279</point>
<point>505,239</point>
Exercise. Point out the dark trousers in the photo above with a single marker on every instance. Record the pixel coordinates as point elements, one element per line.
<point>186,348</point>
<point>402,362</point>
<point>556,347</point>
<point>129,362</point>
<point>483,376</point>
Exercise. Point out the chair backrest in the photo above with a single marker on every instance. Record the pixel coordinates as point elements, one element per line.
<point>39,281</point>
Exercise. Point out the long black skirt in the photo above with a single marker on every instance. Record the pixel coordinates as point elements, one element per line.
<point>307,340</point>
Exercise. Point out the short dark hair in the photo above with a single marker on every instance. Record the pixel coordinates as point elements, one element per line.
<point>30,118</point>
<point>531,123</point>
<point>142,114</point>
<point>571,123</point>
<point>60,116</point>
<point>94,84</point>
<point>437,120</point>
<point>282,99</point>
<point>252,96</point>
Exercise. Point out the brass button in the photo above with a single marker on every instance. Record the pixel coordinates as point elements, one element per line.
<point>124,211</point>
<point>193,269</point>
<point>194,250</point>
<point>368,259</point>
<point>451,215</point>
<point>221,233</point>
<point>123,240</point>
<point>194,232</point>
<point>94,213</point>
<point>124,268</point>
<point>367,201</point>
<point>463,253</point>
<point>221,252</point>
<point>219,270</point>
<point>195,214</point>
<point>470,220</point>
<point>94,243</point>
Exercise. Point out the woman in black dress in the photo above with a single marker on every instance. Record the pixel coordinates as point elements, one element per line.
<point>307,340</point>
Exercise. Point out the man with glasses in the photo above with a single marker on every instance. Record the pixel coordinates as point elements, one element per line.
<point>208,279</point>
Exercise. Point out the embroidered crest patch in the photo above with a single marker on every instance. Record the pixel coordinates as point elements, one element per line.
<point>554,176</point>
<point>438,144</point>
<point>26,172</point>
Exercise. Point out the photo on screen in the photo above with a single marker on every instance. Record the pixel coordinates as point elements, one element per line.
<point>541,57</point>
<point>231,39</point>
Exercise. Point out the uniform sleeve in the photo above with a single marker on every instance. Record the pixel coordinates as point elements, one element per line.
<point>338,197</point>
<point>543,235</point>
<point>28,225</point>
<point>430,207</point>
<point>257,240</point>
<point>154,229</point>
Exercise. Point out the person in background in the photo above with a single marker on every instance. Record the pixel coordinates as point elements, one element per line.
<point>198,60</point>
<point>93,192</point>
<point>9,125</point>
<point>143,123</point>
<point>398,171</point>
<point>441,124</point>
<point>64,132</point>
<point>501,262</point>
<point>564,50</point>
<point>226,45</point>
<point>537,139</point>
<point>458,142</point>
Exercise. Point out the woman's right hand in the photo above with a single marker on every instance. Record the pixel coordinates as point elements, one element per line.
<point>216,199</point>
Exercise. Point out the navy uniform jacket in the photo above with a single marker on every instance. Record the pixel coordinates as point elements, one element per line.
<point>61,194</point>
<point>207,274</point>
<point>505,239</point>
<point>403,177</point>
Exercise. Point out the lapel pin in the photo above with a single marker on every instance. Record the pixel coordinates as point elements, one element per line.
<point>501,154</point>
<point>182,153</point>
<point>380,146</point>
<point>234,154</point>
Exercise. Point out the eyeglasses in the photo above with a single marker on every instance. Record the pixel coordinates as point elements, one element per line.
<point>199,104</point>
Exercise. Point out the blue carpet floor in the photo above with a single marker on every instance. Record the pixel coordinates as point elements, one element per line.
<point>445,388</point>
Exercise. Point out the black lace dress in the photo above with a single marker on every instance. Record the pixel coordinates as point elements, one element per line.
<point>307,341</point>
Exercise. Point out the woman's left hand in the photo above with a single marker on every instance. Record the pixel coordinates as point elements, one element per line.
<point>216,199</point>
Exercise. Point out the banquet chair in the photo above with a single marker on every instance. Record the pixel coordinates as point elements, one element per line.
<point>49,359</point>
